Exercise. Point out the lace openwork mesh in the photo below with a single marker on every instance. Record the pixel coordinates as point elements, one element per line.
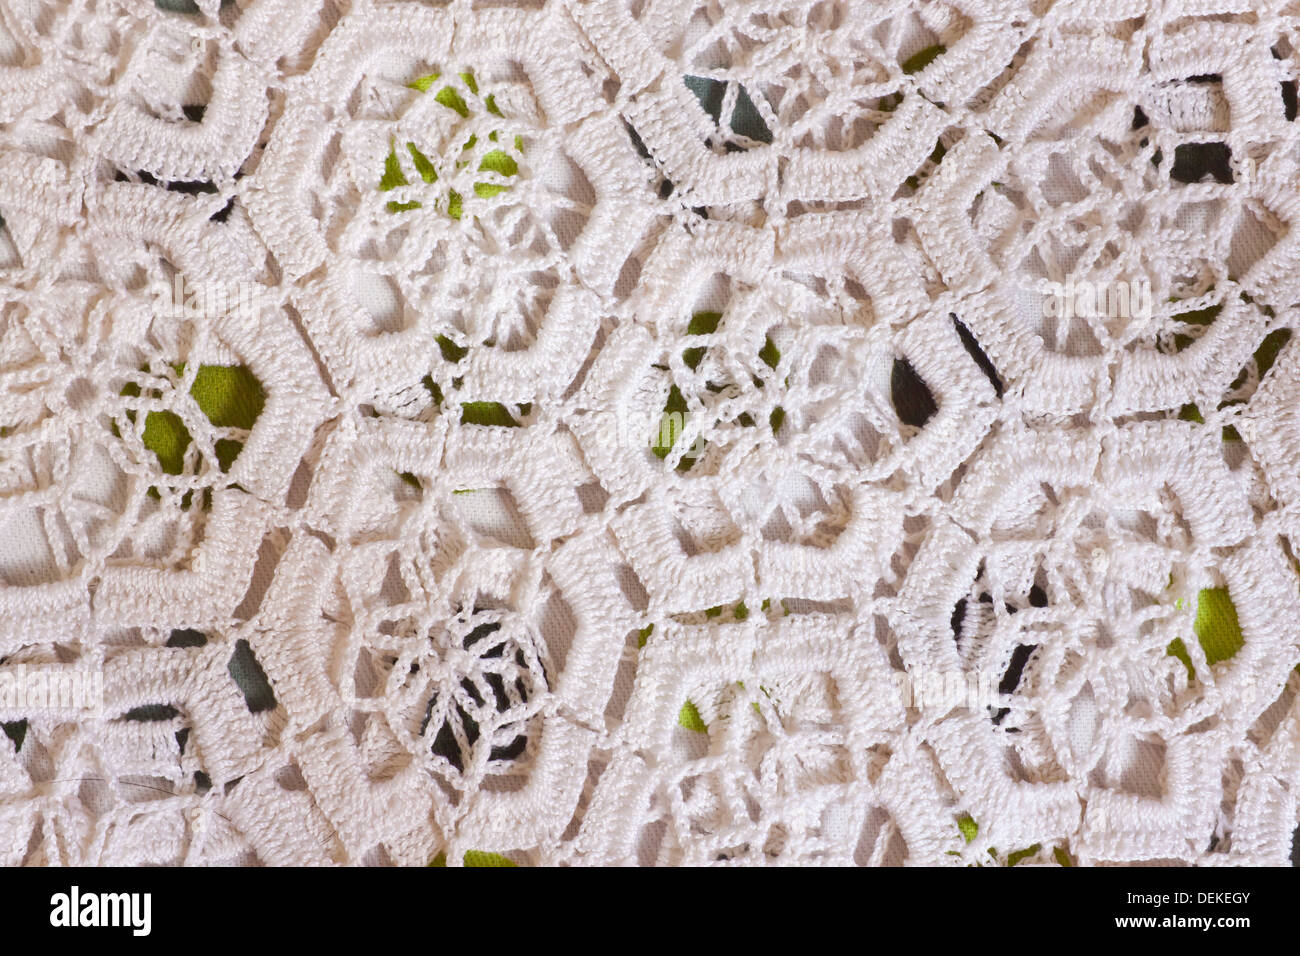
<point>649,431</point>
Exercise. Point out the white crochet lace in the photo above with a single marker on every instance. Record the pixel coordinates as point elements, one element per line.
<point>650,431</point>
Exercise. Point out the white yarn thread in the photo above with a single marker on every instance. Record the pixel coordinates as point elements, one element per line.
<point>589,632</point>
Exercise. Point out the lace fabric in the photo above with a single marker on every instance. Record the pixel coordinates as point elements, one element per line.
<point>649,431</point>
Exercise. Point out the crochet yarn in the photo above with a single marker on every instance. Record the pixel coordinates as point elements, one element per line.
<point>649,432</point>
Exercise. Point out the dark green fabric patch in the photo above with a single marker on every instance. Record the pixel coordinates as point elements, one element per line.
<point>248,674</point>
<point>912,398</point>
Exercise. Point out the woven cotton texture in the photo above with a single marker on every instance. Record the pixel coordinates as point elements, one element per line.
<point>649,432</point>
